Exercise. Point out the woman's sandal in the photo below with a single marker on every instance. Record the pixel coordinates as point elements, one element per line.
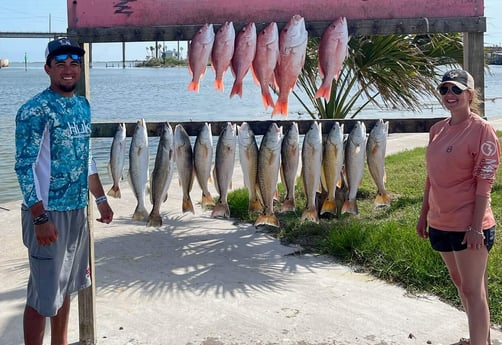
<point>464,341</point>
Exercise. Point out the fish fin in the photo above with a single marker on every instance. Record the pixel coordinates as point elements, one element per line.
<point>276,195</point>
<point>267,99</point>
<point>216,181</point>
<point>280,107</point>
<point>289,205</point>
<point>221,210</point>
<point>207,200</point>
<point>320,69</point>
<point>350,206</point>
<point>115,192</point>
<point>329,206</point>
<point>310,215</point>
<point>255,77</point>
<point>236,89</point>
<point>193,86</point>
<point>263,219</point>
<point>218,85</point>
<point>187,205</point>
<point>382,199</point>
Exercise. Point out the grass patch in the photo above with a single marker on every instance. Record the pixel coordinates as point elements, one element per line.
<point>383,241</point>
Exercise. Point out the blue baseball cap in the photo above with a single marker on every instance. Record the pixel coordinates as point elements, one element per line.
<point>62,45</point>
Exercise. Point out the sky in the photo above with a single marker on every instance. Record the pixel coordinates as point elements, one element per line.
<point>50,15</point>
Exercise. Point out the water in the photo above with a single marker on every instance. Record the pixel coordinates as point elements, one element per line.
<point>159,94</point>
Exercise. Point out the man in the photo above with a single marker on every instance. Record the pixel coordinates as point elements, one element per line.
<point>56,171</point>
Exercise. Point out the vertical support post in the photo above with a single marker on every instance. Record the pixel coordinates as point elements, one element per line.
<point>89,54</point>
<point>474,63</point>
<point>87,297</point>
<point>123,56</point>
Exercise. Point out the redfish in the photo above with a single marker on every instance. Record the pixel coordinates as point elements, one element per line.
<point>375,156</point>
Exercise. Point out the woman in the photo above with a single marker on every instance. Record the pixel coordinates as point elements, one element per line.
<point>462,159</point>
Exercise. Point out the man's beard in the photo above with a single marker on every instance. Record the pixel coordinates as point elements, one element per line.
<point>67,88</point>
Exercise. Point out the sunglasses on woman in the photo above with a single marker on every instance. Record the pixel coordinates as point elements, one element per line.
<point>443,90</point>
<point>63,57</point>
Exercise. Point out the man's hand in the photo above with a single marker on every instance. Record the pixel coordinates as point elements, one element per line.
<point>106,212</point>
<point>46,233</point>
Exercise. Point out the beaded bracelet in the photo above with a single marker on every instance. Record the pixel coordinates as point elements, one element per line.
<point>480,232</point>
<point>101,199</point>
<point>42,219</point>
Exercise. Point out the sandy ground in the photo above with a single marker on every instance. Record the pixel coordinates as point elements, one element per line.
<point>197,280</point>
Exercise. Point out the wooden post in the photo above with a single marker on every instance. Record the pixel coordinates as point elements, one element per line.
<point>123,56</point>
<point>474,62</point>
<point>87,297</point>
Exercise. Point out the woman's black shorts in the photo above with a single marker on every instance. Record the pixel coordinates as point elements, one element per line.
<point>447,241</point>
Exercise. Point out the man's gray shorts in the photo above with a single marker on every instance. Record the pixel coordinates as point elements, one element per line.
<point>61,268</point>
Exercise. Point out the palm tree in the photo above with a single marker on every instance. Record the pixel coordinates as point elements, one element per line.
<point>393,71</point>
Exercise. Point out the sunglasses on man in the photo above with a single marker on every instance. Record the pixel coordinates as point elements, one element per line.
<point>443,90</point>
<point>63,57</point>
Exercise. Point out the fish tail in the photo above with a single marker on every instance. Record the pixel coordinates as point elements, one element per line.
<point>221,210</point>
<point>140,213</point>
<point>264,219</point>
<point>350,206</point>
<point>193,86</point>
<point>329,206</point>
<point>154,220</point>
<point>255,206</point>
<point>115,192</point>
<point>281,107</point>
<point>310,215</point>
<point>218,85</point>
<point>288,205</point>
<point>382,199</point>
<point>323,91</point>
<point>187,205</point>
<point>236,89</point>
<point>207,200</point>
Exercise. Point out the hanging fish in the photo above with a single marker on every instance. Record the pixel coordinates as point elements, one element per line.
<point>248,157</point>
<point>162,174</point>
<point>311,170</point>
<point>117,160</point>
<point>245,50</point>
<point>138,168</point>
<point>293,48</point>
<point>355,156</point>
<point>332,163</point>
<point>203,159</point>
<point>269,160</point>
<point>290,161</point>
<point>222,52</point>
<point>199,51</point>
<point>265,61</point>
<point>224,161</point>
<point>375,156</point>
<point>333,49</point>
<point>183,156</point>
